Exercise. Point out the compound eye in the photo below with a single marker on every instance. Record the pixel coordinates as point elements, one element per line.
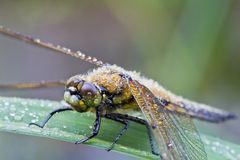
<point>88,90</point>
<point>90,94</point>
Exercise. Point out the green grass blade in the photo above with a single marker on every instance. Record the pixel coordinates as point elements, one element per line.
<point>17,113</point>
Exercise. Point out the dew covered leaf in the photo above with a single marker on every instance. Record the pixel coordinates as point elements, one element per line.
<point>17,113</point>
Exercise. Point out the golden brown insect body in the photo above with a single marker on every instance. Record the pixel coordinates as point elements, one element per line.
<point>109,78</point>
<point>106,79</point>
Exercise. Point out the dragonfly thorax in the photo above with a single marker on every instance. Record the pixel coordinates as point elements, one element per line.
<point>107,88</point>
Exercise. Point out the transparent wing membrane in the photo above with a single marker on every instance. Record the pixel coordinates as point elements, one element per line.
<point>176,133</point>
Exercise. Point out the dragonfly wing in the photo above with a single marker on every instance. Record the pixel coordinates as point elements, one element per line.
<point>176,134</point>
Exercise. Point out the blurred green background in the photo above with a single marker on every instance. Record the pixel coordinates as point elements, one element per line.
<point>190,47</point>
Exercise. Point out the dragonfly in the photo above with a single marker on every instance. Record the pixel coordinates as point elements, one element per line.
<point>111,92</point>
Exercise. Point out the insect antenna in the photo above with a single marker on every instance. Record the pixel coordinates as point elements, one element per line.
<point>50,46</point>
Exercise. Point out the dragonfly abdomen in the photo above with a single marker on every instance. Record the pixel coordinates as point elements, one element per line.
<point>207,113</point>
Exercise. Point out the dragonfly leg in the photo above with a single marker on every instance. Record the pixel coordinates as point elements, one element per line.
<point>50,115</point>
<point>117,119</point>
<point>150,137</point>
<point>140,121</point>
<point>96,127</point>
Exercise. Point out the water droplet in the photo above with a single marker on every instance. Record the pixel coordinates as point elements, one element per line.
<point>41,104</point>
<point>88,58</point>
<point>94,59</point>
<point>216,143</point>
<point>18,118</point>
<point>22,111</point>
<point>213,148</point>
<point>170,145</point>
<point>12,114</point>
<point>45,133</point>
<point>6,118</point>
<point>23,103</point>
<point>49,105</point>
<point>6,103</point>
<point>232,151</point>
<point>34,120</point>
<point>12,108</point>
<point>37,40</point>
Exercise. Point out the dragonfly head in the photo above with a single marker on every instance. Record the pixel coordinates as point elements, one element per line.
<point>82,95</point>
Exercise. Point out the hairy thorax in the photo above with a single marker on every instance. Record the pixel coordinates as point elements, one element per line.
<point>117,90</point>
